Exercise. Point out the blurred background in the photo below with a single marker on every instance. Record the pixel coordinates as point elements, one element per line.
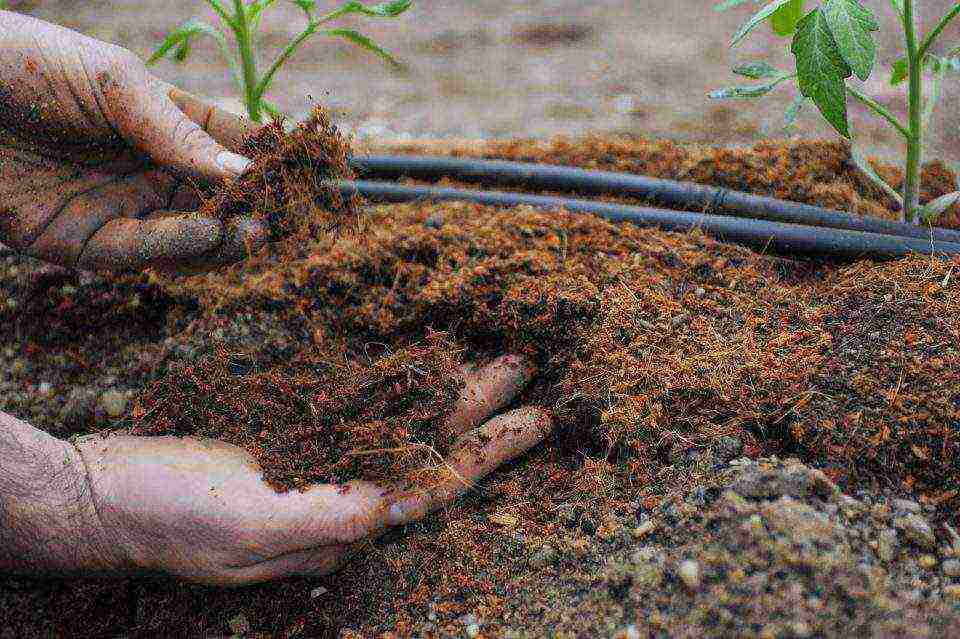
<point>526,68</point>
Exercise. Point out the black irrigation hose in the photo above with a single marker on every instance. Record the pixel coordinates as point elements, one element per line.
<point>763,234</point>
<point>687,196</point>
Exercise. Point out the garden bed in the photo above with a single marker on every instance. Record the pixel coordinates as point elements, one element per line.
<point>653,349</point>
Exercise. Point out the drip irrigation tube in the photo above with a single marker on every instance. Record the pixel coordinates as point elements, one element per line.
<point>778,236</point>
<point>687,196</point>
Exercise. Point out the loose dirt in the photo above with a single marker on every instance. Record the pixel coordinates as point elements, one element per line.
<point>654,350</point>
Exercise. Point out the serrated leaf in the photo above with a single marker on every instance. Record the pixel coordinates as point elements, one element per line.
<point>784,20</point>
<point>851,25</point>
<point>790,115</point>
<point>364,42</point>
<point>757,70</point>
<point>821,70</point>
<point>867,169</point>
<point>932,210</point>
<point>178,40</point>
<point>757,18</point>
<point>727,5</point>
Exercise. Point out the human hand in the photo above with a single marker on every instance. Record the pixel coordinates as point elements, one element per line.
<point>198,509</point>
<point>97,157</point>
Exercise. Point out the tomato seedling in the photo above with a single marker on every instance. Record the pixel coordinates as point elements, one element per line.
<point>835,42</point>
<point>244,22</point>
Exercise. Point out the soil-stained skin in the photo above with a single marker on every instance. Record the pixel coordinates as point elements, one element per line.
<point>504,69</point>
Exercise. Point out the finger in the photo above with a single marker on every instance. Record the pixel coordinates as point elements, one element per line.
<point>148,119</point>
<point>475,455</point>
<point>242,237</point>
<point>487,390</point>
<point>126,244</point>
<point>229,129</point>
<point>315,562</point>
<point>86,212</point>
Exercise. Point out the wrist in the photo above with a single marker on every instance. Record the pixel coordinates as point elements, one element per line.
<point>48,517</point>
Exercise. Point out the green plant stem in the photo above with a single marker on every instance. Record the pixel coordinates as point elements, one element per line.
<point>248,61</point>
<point>288,51</point>
<point>937,30</point>
<point>220,11</point>
<point>292,47</point>
<point>911,185</point>
<point>880,110</point>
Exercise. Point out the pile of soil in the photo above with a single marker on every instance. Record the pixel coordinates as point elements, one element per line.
<point>651,347</point>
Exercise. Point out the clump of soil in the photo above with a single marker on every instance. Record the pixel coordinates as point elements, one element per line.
<point>292,181</point>
<point>317,417</point>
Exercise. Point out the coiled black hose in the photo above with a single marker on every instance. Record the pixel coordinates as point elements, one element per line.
<point>763,234</point>
<point>681,195</point>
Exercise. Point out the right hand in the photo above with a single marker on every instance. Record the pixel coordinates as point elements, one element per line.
<point>198,508</point>
<point>97,158</point>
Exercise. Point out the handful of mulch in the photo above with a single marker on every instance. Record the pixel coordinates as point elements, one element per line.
<point>291,185</point>
<point>329,416</point>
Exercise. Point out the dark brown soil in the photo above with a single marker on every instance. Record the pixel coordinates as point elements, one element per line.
<point>650,346</point>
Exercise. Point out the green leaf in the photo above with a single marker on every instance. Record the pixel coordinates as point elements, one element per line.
<point>363,42</point>
<point>758,17</point>
<point>179,40</point>
<point>790,115</point>
<point>382,10</point>
<point>748,91</point>
<point>821,70</point>
<point>851,25</point>
<point>726,5</point>
<point>897,7</point>
<point>784,20</point>
<point>932,210</point>
<point>900,71</point>
<point>307,5</point>
<point>867,169</point>
<point>757,70</point>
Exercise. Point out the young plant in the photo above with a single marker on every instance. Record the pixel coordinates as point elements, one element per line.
<point>834,42</point>
<point>243,21</point>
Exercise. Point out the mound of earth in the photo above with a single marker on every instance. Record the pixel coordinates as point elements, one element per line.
<point>653,350</point>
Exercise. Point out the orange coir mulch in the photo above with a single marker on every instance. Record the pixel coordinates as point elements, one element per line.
<point>649,345</point>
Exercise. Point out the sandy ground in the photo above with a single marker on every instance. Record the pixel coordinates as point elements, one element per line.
<point>508,68</point>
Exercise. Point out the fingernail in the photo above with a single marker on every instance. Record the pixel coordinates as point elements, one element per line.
<point>396,514</point>
<point>233,163</point>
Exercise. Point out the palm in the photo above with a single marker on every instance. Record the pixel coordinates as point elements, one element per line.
<point>199,509</point>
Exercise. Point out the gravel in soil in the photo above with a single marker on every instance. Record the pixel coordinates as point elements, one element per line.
<point>662,355</point>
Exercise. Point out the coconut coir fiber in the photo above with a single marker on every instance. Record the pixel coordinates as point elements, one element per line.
<point>644,340</point>
<point>650,345</point>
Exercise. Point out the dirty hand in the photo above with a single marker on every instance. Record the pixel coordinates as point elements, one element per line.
<point>98,157</point>
<point>199,510</point>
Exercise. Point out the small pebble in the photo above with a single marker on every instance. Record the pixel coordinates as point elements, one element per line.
<point>689,572</point>
<point>906,505</point>
<point>644,529</point>
<point>916,529</point>
<point>927,561</point>
<point>951,568</point>
<point>472,630</point>
<point>318,592</point>
<point>952,591</point>
<point>45,388</point>
<point>113,402</point>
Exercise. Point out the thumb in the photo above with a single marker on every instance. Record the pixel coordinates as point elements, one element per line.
<point>143,113</point>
